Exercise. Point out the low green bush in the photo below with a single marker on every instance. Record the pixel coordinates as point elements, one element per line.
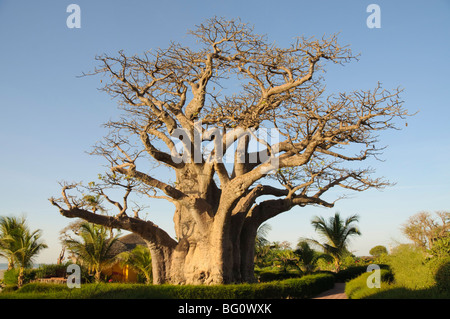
<point>308,286</point>
<point>353,272</point>
<point>350,273</point>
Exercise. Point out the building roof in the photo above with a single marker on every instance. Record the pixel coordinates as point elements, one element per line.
<point>126,243</point>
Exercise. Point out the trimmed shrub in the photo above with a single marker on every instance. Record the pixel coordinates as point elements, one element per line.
<point>273,275</point>
<point>353,272</point>
<point>308,286</point>
<point>350,273</point>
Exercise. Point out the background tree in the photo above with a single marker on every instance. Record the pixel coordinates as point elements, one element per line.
<point>188,110</point>
<point>282,256</point>
<point>93,249</point>
<point>70,232</point>
<point>378,250</point>
<point>423,229</point>
<point>335,232</point>
<point>262,245</point>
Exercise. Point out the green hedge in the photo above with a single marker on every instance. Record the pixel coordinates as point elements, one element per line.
<point>357,287</point>
<point>305,287</point>
<point>276,275</point>
<point>353,272</point>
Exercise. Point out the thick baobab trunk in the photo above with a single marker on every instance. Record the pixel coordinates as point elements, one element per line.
<point>200,262</point>
<point>198,258</point>
<point>204,252</point>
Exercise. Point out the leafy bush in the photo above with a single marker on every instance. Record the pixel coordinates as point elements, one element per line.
<point>441,247</point>
<point>10,276</point>
<point>410,267</point>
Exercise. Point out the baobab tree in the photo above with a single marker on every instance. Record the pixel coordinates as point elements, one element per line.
<point>246,131</point>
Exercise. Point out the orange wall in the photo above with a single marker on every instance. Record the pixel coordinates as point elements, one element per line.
<point>121,274</point>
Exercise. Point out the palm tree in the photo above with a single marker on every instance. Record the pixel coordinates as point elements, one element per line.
<point>138,259</point>
<point>308,257</point>
<point>9,227</point>
<point>94,248</point>
<point>18,244</point>
<point>29,244</point>
<point>336,233</point>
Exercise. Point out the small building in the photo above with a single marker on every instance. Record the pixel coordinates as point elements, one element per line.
<point>116,272</point>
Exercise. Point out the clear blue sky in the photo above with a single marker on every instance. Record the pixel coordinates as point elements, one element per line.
<point>49,117</point>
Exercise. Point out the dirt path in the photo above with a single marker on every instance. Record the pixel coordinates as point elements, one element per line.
<point>336,293</point>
